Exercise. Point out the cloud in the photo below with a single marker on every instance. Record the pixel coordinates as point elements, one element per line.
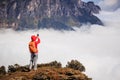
<point>96,47</point>
<point>110,5</point>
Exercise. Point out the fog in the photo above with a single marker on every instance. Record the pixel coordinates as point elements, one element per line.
<point>110,5</point>
<point>96,47</point>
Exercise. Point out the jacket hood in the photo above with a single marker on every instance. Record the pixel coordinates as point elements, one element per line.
<point>33,37</point>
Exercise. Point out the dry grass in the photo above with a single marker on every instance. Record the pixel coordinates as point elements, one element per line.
<point>51,72</point>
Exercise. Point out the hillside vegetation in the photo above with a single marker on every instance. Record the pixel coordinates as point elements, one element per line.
<point>49,71</point>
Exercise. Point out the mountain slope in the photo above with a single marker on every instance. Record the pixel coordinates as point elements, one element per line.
<point>37,14</point>
<point>48,71</point>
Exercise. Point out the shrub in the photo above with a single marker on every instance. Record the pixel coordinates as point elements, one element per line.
<point>51,64</point>
<point>2,70</point>
<point>11,69</point>
<point>76,65</point>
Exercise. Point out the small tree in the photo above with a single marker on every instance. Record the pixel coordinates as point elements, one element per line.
<point>76,65</point>
<point>2,70</point>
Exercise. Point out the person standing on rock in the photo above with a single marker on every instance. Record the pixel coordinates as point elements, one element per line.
<point>33,48</point>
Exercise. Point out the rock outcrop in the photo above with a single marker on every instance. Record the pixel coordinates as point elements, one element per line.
<point>39,14</point>
<point>48,71</point>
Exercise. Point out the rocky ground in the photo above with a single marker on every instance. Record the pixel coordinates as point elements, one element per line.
<point>44,72</point>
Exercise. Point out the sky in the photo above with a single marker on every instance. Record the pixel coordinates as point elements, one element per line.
<point>95,46</point>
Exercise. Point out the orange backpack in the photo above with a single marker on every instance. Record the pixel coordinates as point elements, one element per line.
<point>32,47</point>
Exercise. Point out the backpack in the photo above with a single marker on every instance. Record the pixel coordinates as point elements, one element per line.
<point>32,47</point>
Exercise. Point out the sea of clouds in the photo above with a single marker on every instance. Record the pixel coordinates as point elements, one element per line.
<point>96,47</point>
<point>110,5</point>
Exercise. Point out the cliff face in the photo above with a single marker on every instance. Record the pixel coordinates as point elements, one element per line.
<point>57,14</point>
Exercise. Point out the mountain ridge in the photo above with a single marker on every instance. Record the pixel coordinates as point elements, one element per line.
<point>40,14</point>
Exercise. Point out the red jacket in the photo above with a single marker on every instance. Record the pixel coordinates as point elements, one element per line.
<point>33,44</point>
<point>37,42</point>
